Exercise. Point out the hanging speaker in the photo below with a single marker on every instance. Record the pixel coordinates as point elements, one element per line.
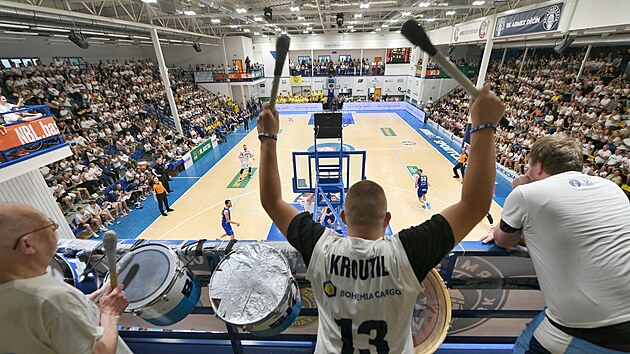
<point>78,39</point>
<point>197,47</point>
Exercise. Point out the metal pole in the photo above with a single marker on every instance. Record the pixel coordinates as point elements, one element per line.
<point>588,52</point>
<point>165,80</point>
<point>425,63</point>
<point>487,51</point>
<point>503,58</point>
<point>522,62</point>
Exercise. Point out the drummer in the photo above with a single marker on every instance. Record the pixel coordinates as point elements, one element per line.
<point>364,285</point>
<point>31,297</point>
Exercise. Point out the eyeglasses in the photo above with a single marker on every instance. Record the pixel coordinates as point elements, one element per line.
<point>53,225</point>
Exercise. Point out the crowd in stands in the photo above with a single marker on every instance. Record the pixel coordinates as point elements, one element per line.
<point>102,112</point>
<point>351,67</point>
<point>548,98</point>
<point>220,69</point>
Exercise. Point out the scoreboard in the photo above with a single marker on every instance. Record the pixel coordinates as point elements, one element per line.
<point>398,55</point>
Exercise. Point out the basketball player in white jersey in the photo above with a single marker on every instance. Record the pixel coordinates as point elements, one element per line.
<point>246,158</point>
<point>366,285</point>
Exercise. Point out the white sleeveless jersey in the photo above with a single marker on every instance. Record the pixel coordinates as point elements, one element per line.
<point>245,156</point>
<point>365,293</point>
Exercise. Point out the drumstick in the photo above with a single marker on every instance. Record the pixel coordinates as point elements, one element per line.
<point>120,266</point>
<point>282,48</point>
<point>109,244</point>
<point>416,35</point>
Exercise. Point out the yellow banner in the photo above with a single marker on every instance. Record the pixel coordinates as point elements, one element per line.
<point>296,79</point>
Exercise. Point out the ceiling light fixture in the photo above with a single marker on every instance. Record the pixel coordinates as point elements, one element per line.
<point>384,25</point>
<point>233,26</point>
<point>364,5</point>
<point>305,31</point>
<point>51,29</point>
<point>478,3</point>
<point>149,1</point>
<point>450,13</point>
<point>268,13</point>
<point>294,8</point>
<point>256,33</point>
<point>93,33</point>
<point>241,10</point>
<point>190,13</point>
<point>284,32</point>
<point>398,31</point>
<point>215,20</point>
<point>10,25</point>
<point>300,18</point>
<point>340,19</point>
<point>358,15</point>
<point>431,19</point>
<point>22,33</point>
<point>258,19</point>
<point>351,27</point>
<point>246,30</point>
<point>406,13</point>
<point>424,4</point>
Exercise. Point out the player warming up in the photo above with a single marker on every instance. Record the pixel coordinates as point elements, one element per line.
<point>379,275</point>
<point>422,184</point>
<point>246,158</point>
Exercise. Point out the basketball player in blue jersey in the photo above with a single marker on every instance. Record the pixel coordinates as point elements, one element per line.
<point>422,184</point>
<point>226,220</point>
<point>365,285</point>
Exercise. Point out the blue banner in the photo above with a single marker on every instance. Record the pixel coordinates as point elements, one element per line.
<point>543,19</point>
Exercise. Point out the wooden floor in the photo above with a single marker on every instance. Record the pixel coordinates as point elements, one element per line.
<point>198,212</point>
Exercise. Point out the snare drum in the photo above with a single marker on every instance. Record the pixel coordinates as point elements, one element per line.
<point>253,288</point>
<point>431,315</point>
<point>159,288</point>
<point>70,270</point>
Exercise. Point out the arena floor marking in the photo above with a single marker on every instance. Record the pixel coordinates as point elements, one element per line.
<point>198,213</point>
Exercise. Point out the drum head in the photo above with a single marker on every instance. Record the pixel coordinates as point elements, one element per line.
<point>59,268</point>
<point>152,269</point>
<point>431,315</point>
<point>249,284</point>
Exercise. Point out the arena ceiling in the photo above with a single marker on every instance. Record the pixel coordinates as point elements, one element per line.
<point>214,18</point>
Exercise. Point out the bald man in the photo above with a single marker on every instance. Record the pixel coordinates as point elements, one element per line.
<point>41,314</point>
<point>366,285</point>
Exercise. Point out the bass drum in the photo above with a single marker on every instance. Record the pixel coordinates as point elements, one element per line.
<point>432,314</point>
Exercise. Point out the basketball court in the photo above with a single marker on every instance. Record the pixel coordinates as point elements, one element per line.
<point>394,149</point>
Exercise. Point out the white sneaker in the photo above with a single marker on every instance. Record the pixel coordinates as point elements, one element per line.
<point>103,229</point>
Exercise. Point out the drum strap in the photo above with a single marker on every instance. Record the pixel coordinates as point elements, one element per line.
<point>615,337</point>
<point>229,246</point>
<point>199,249</point>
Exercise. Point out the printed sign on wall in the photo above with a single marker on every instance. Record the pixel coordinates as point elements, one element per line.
<point>544,19</point>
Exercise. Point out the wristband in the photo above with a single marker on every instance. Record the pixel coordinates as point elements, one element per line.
<point>483,126</point>
<point>271,136</point>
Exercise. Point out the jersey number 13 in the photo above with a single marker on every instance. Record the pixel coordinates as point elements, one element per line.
<point>364,328</point>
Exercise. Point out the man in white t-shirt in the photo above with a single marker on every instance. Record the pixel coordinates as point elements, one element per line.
<point>41,314</point>
<point>577,231</point>
<point>602,155</point>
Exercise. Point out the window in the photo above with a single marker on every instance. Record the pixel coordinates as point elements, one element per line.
<point>304,58</point>
<point>6,62</point>
<point>324,58</point>
<point>345,58</point>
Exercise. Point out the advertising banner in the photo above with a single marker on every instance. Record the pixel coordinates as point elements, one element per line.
<point>201,150</point>
<point>299,107</point>
<point>203,76</point>
<point>543,19</point>
<point>28,132</point>
<point>471,31</point>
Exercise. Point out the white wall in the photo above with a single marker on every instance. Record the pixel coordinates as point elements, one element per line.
<point>590,14</point>
<point>186,55</point>
<point>238,47</point>
<point>39,47</point>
